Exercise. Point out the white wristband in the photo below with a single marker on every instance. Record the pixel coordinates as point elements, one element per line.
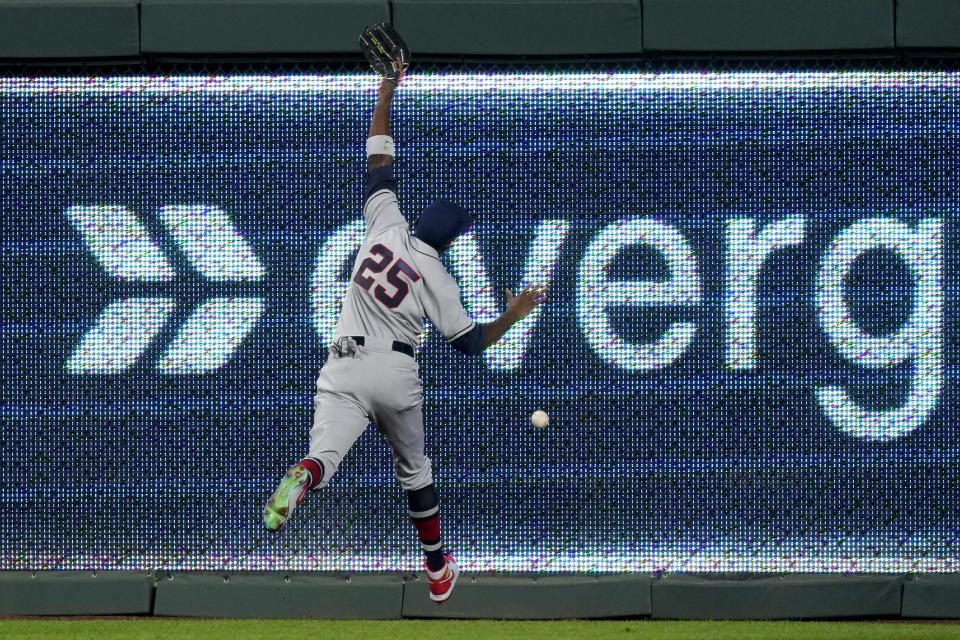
<point>380,146</point>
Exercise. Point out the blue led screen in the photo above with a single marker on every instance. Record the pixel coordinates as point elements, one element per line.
<point>748,354</point>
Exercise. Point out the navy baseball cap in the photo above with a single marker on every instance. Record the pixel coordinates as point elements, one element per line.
<point>441,223</point>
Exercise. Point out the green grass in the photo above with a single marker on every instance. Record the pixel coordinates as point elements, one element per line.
<point>180,629</point>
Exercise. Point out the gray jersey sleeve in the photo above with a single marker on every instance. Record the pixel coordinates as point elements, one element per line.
<point>441,301</point>
<point>381,209</point>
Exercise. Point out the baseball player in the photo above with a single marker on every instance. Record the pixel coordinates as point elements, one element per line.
<point>371,373</point>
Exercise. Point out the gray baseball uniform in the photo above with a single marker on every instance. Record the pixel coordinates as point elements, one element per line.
<point>398,281</point>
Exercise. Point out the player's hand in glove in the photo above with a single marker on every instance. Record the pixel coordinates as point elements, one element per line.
<point>519,306</point>
<point>386,51</point>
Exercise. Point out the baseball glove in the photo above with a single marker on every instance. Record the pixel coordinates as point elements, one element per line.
<point>385,50</point>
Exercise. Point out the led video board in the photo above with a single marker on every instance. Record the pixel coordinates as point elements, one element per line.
<point>746,356</point>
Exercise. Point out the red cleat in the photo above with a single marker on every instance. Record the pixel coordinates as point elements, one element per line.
<point>441,582</point>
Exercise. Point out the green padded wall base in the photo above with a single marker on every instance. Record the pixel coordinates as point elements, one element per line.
<point>74,593</point>
<point>532,598</point>
<point>776,597</point>
<point>394,595</point>
<point>279,595</point>
<point>931,596</point>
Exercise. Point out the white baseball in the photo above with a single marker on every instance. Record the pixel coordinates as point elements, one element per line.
<point>539,419</point>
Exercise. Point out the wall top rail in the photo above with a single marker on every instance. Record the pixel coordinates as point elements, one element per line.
<point>81,30</point>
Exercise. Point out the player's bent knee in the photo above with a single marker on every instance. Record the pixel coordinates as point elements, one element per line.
<point>413,480</point>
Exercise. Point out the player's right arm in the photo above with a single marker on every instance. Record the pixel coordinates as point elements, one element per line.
<point>442,304</point>
<point>518,307</point>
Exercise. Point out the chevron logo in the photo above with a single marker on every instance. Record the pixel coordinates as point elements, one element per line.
<point>128,327</point>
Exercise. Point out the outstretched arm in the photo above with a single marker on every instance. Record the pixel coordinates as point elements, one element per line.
<point>483,336</point>
<point>518,308</point>
<point>380,125</point>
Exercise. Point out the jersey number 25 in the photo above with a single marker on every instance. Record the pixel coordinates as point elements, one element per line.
<point>373,265</point>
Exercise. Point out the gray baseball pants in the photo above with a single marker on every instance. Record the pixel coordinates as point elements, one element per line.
<point>360,384</point>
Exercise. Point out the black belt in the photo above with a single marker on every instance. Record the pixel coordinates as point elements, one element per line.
<point>401,347</point>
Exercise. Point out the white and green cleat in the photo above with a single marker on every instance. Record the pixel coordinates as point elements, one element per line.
<point>290,493</point>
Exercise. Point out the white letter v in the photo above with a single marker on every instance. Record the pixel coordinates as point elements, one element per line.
<point>467,265</point>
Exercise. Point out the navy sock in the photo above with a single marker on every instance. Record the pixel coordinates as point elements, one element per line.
<point>425,514</point>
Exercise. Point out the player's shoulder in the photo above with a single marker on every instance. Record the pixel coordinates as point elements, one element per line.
<point>382,210</point>
<point>421,251</point>
<point>429,265</point>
